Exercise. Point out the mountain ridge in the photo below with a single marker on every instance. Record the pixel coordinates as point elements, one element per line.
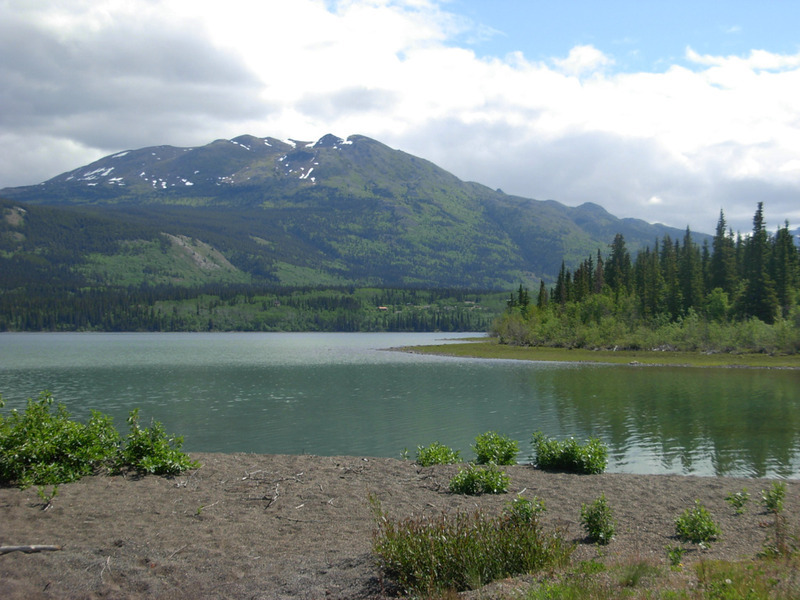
<point>334,211</point>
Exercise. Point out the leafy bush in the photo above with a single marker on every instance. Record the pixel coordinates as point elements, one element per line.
<point>696,525</point>
<point>428,556</point>
<point>569,455</point>
<point>491,447</point>
<point>474,481</point>
<point>772,499</point>
<point>151,450</point>
<point>436,454</point>
<point>738,500</point>
<point>42,446</point>
<point>598,520</point>
<point>522,510</point>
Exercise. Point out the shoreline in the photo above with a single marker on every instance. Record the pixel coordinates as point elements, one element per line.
<point>300,526</point>
<point>636,358</point>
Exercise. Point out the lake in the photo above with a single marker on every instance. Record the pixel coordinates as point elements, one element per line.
<point>344,393</point>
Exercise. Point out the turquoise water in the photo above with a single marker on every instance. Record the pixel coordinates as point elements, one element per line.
<point>343,393</point>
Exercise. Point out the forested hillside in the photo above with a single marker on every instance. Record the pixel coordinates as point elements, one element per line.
<point>265,211</point>
<point>249,308</point>
<point>736,293</point>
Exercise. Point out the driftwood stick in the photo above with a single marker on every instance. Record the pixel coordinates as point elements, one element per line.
<point>28,549</point>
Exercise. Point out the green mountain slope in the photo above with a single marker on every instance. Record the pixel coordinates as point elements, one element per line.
<point>250,210</point>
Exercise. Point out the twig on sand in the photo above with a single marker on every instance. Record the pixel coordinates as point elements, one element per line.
<point>28,549</point>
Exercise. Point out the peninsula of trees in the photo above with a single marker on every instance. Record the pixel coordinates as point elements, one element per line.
<point>739,294</point>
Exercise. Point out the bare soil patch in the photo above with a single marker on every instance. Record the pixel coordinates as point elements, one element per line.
<point>279,526</point>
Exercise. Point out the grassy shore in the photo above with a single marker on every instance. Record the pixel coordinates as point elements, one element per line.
<point>491,349</point>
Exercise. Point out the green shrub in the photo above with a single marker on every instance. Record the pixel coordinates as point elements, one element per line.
<point>491,447</point>
<point>696,525</point>
<point>151,450</point>
<point>598,520</point>
<point>436,454</point>
<point>738,500</point>
<point>772,499</point>
<point>429,556</point>
<point>522,510</point>
<point>42,447</point>
<point>569,455</point>
<point>474,481</point>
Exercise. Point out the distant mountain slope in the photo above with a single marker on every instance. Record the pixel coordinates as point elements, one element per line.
<point>334,211</point>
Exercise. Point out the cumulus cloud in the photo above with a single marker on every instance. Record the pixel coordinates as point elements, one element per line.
<point>82,79</point>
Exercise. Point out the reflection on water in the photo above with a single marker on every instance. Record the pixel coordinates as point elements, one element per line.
<point>340,394</point>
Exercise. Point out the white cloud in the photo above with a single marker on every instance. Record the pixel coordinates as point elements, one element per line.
<point>107,75</point>
<point>582,59</point>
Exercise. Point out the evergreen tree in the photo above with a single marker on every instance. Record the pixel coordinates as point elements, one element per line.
<point>690,273</point>
<point>759,299</point>
<point>784,267</point>
<point>599,279</point>
<point>722,266</point>
<point>673,296</point>
<point>543,298</point>
<point>618,268</point>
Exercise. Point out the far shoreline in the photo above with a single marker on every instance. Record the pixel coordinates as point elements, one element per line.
<point>492,349</point>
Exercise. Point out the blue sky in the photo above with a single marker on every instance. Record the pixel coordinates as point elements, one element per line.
<point>663,111</point>
<point>642,35</point>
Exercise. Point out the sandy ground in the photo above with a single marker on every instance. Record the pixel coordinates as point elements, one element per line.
<point>264,526</point>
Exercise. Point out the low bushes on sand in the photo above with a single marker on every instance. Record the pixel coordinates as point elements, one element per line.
<point>428,556</point>
<point>43,445</point>
<point>569,455</point>
<point>436,454</point>
<point>473,481</point>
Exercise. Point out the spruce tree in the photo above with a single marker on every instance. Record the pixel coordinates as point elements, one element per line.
<point>758,299</point>
<point>722,266</point>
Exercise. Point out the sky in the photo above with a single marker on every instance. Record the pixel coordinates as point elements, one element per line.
<point>663,111</point>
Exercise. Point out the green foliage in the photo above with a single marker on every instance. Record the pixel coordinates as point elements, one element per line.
<point>248,308</point>
<point>598,520</point>
<point>675,555</point>
<point>772,499</point>
<point>738,500</point>
<point>474,481</point>
<point>428,556</point>
<point>570,456</point>
<point>523,510</point>
<point>741,298</point>
<point>436,454</point>
<point>151,450</point>
<point>42,446</point>
<point>696,525</point>
<point>491,447</point>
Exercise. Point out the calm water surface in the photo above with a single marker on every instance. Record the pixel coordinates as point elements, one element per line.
<point>334,394</point>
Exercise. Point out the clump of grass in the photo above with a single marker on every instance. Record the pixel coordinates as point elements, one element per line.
<point>675,556</point>
<point>522,510</point>
<point>44,446</point>
<point>772,499</point>
<point>436,454</point>
<point>570,456</point>
<point>696,525</point>
<point>633,573</point>
<point>738,500</point>
<point>598,520</point>
<point>462,551</point>
<point>474,481</point>
<point>491,447</point>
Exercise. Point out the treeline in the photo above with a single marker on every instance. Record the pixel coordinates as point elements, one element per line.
<point>738,293</point>
<point>246,308</point>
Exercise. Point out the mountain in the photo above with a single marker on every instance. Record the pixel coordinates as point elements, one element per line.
<point>336,211</point>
